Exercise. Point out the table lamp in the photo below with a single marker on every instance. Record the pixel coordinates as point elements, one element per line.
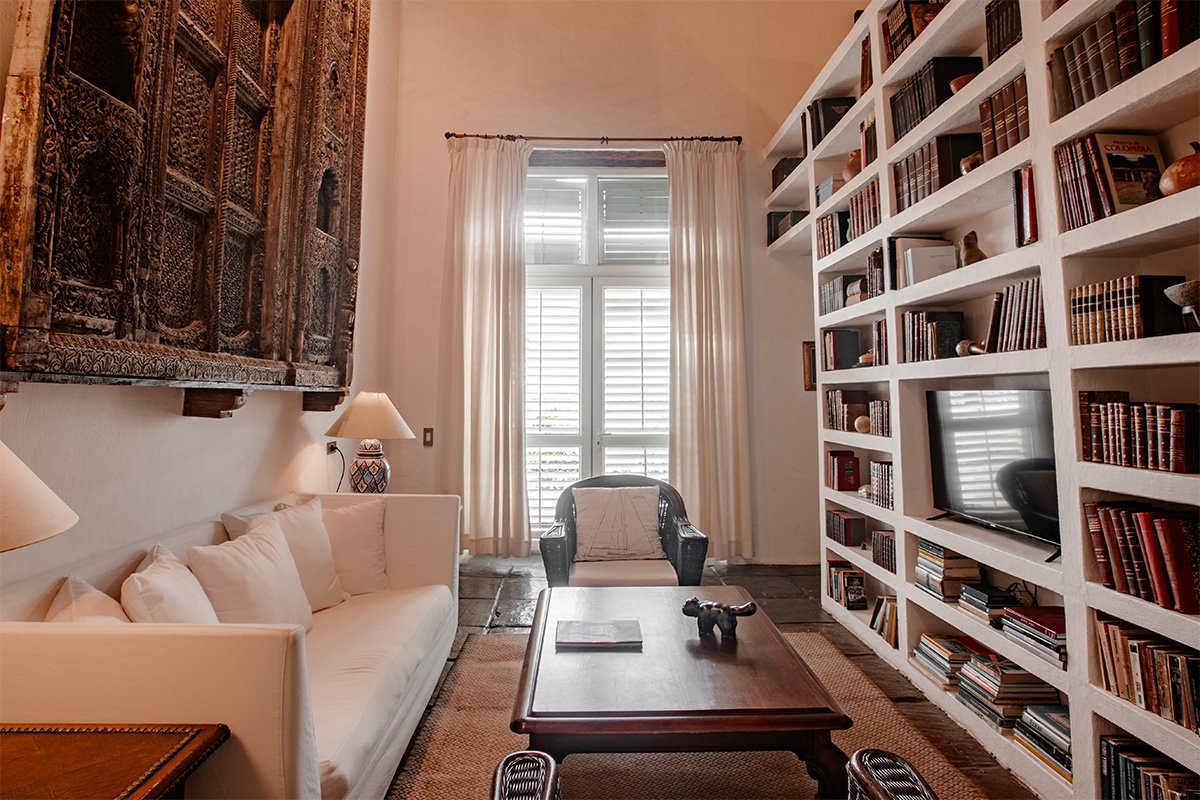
<point>370,417</point>
<point>29,510</point>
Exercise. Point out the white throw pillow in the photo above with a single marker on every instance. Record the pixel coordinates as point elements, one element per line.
<point>164,590</point>
<point>617,524</point>
<point>304,531</point>
<point>79,601</point>
<point>252,578</point>
<point>356,535</point>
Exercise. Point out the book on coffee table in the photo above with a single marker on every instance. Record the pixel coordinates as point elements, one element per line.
<point>598,634</point>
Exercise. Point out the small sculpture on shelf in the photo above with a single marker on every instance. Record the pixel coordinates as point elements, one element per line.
<point>968,249</point>
<point>853,165</point>
<point>957,84</point>
<point>1186,295</point>
<point>862,424</point>
<point>724,616</point>
<point>968,347</point>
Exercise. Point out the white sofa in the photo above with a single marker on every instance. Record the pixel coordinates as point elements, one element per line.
<point>324,714</point>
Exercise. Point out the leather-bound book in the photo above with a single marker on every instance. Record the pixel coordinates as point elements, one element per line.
<point>1178,539</point>
<point>1103,565</point>
<point>1155,563</point>
<point>1125,22</point>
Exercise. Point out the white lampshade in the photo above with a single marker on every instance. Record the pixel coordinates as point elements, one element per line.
<point>29,510</point>
<point>371,415</point>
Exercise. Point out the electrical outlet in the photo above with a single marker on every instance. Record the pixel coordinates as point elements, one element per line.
<point>427,437</point>
<point>330,448</point>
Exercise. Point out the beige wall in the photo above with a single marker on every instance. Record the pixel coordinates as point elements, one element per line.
<point>609,68</point>
<point>125,459</point>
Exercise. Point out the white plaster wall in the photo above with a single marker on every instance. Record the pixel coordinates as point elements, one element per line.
<point>614,68</point>
<point>125,459</point>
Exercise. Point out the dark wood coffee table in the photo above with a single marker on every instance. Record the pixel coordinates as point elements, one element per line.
<point>679,693</point>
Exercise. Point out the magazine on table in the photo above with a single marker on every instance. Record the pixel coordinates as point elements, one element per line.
<point>576,634</point>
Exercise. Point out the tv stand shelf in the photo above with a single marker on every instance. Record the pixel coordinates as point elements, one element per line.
<point>1159,238</point>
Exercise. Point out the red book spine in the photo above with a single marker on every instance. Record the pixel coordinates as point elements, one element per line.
<point>1163,437</point>
<point>1118,550</point>
<point>1155,563</point>
<point>1169,22</point>
<point>1029,234</point>
<point>1178,557</point>
<point>1098,545</point>
<point>1023,615</point>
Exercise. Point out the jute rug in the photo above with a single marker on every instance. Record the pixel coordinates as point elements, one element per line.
<point>466,734</point>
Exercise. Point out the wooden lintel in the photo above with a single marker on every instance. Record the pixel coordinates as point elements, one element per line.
<point>213,403</point>
<point>6,387</point>
<point>323,401</point>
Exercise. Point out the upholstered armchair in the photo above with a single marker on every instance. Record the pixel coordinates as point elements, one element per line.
<point>684,545</point>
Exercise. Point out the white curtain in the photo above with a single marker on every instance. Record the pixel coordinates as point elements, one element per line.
<point>710,464</point>
<point>482,453</point>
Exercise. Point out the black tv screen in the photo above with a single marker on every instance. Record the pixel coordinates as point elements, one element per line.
<point>991,453</point>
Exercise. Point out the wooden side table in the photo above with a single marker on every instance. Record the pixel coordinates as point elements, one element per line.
<point>102,761</point>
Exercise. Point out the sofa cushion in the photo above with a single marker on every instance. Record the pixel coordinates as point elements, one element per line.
<point>356,536</point>
<point>304,529</point>
<point>617,524</point>
<point>79,601</point>
<point>645,572</point>
<point>163,589</point>
<point>361,657</point>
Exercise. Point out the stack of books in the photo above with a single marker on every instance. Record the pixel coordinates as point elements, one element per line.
<point>1002,19</point>
<point>828,187</point>
<point>1045,731</point>
<point>1042,630</point>
<point>783,167</point>
<point>864,209</point>
<point>879,342</point>
<point>986,602</point>
<point>780,222</point>
<point>921,94</point>
<point>833,231</point>
<point>883,549</point>
<point>839,348</point>
<point>841,470</point>
<point>868,143</point>
<point>998,690</point>
<point>1004,118</point>
<point>1131,770</point>
<point>847,585</point>
<point>904,22</point>
<point>930,335</point>
<point>878,411</point>
<point>844,527</point>
<point>942,572</point>
<point>1146,552</point>
<point>843,406</point>
<point>1132,307</point>
<point>932,166</point>
<point>941,656</point>
<point>1102,174</point>
<point>837,293</point>
<point>1147,435</point>
<point>882,487</point>
<point>825,113</point>
<point>1149,671</point>
<point>883,619</point>
<point>876,284</point>
<point>1017,321</point>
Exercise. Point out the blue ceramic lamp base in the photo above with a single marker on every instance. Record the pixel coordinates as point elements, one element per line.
<point>370,471</point>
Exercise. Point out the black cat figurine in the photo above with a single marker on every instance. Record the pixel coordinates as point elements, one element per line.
<point>722,615</point>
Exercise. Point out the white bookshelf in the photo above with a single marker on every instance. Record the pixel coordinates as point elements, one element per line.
<point>1162,237</point>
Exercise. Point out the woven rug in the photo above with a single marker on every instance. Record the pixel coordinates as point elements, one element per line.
<point>466,734</point>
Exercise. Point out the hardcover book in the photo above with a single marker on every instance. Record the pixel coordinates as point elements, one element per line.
<point>585,634</point>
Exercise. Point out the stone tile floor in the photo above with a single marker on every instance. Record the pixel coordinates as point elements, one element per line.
<point>498,595</point>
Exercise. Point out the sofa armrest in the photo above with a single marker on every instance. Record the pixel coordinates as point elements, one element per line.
<point>556,559</point>
<point>688,549</point>
<point>421,536</point>
<point>250,677</point>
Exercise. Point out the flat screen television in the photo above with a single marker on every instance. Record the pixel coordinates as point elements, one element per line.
<point>991,453</point>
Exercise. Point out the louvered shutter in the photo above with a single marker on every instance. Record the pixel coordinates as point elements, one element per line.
<point>636,331</point>
<point>554,215</point>
<point>633,220</point>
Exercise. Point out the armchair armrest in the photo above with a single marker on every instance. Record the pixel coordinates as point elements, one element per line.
<point>555,555</point>
<point>687,551</point>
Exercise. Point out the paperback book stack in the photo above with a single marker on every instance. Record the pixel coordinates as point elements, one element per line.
<point>1045,731</point>
<point>1149,671</point>
<point>864,209</point>
<point>883,549</point>
<point>1004,118</point>
<point>932,166</point>
<point>876,284</point>
<point>904,23</point>
<point>879,342</point>
<point>843,406</point>
<point>1042,630</point>
<point>847,585</point>
<point>884,617</point>
<point>881,484</point>
<point>1131,307</point>
<point>1159,436</point>
<point>930,335</point>
<point>840,292</point>
<point>942,572</point>
<point>1147,552</point>
<point>844,527</point>
<point>1017,321</point>
<point>998,690</point>
<point>1002,19</point>
<point>878,411</point>
<point>941,656</point>
<point>1132,770</point>
<point>833,231</point>
<point>986,602</point>
<point>1119,45</point>
<point>1102,174</point>
<point>921,94</point>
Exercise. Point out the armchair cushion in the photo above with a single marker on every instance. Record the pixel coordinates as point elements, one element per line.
<point>643,572</point>
<point>617,524</point>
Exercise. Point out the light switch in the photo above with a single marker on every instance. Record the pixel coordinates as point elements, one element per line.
<point>427,437</point>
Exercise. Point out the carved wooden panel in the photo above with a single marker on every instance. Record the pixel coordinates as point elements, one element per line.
<point>180,195</point>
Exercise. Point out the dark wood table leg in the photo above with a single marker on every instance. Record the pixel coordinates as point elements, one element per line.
<point>546,744</point>
<point>827,765</point>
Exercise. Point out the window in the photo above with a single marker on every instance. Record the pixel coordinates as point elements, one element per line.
<point>597,329</point>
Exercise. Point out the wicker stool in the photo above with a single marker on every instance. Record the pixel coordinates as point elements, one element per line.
<point>527,775</point>
<point>880,775</point>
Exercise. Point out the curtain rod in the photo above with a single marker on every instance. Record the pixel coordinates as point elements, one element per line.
<point>601,139</point>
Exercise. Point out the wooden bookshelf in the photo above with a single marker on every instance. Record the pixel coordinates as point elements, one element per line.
<point>1161,237</point>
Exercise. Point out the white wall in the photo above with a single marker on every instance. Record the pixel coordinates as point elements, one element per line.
<point>125,459</point>
<point>636,68</point>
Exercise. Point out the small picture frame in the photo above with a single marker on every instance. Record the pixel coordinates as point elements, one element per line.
<point>810,366</point>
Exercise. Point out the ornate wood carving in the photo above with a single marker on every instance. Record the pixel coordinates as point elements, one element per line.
<point>180,192</point>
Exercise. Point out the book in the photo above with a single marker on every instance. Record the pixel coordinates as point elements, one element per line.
<point>923,263</point>
<point>582,634</point>
<point>1049,620</point>
<point>842,470</point>
<point>1132,165</point>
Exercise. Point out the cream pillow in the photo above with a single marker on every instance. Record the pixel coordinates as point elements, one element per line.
<point>252,578</point>
<point>79,601</point>
<point>304,531</point>
<point>356,535</point>
<point>617,524</point>
<point>164,590</point>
